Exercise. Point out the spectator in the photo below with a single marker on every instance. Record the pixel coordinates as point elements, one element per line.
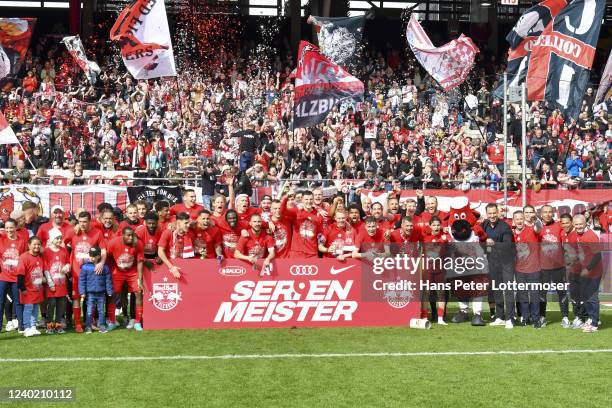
<point>574,165</point>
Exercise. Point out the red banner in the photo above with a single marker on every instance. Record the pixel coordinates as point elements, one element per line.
<point>299,293</point>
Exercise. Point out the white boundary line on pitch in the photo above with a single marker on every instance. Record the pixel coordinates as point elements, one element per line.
<point>289,356</point>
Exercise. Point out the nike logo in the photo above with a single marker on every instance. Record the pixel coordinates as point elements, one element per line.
<point>334,271</point>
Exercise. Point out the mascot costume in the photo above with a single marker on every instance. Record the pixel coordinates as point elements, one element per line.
<point>466,237</point>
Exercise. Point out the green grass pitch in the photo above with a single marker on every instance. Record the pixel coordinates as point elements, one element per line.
<point>526,380</point>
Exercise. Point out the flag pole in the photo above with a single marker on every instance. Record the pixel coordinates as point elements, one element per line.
<point>524,143</point>
<point>26,155</point>
<point>505,140</point>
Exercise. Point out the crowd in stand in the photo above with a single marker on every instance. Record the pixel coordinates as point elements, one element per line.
<point>234,117</point>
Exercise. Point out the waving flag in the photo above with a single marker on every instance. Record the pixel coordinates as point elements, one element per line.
<point>144,38</point>
<point>338,37</point>
<point>562,56</point>
<point>528,28</point>
<point>319,85</point>
<point>75,47</point>
<point>449,64</point>
<point>7,136</point>
<point>15,36</point>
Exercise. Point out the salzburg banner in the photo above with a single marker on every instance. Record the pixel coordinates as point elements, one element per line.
<point>319,85</point>
<point>142,33</point>
<point>449,64</point>
<point>76,49</point>
<point>562,56</point>
<point>15,35</point>
<point>527,29</point>
<point>298,293</point>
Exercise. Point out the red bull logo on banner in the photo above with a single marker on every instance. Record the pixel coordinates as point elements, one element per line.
<point>165,296</point>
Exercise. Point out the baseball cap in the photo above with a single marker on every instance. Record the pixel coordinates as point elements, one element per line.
<point>94,251</point>
<point>56,207</point>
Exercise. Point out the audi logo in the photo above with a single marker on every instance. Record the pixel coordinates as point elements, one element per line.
<point>303,270</point>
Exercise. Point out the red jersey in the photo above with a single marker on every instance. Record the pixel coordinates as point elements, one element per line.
<point>338,240</point>
<point>581,252</point>
<point>374,245</point>
<point>23,234</point>
<point>81,244</point>
<point>126,257</point>
<point>307,227</point>
<point>127,223</point>
<point>218,219</point>
<point>43,231</point>
<point>229,237</point>
<point>527,250</point>
<point>206,240</point>
<point>245,217</point>
<point>605,220</point>
<point>435,246</point>
<point>149,242</point>
<point>282,238</point>
<point>496,154</point>
<point>192,211</point>
<point>108,233</point>
<point>408,244</point>
<point>32,268</point>
<point>257,245</point>
<point>551,248</point>
<point>54,263</point>
<point>175,245</point>
<point>10,250</point>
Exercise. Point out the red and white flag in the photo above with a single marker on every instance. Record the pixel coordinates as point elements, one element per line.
<point>142,33</point>
<point>449,64</point>
<point>7,136</point>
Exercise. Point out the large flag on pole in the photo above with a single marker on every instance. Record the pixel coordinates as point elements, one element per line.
<point>338,37</point>
<point>605,86</point>
<point>15,36</point>
<point>562,56</point>
<point>319,85</point>
<point>7,136</point>
<point>449,64</point>
<point>142,33</point>
<point>75,47</point>
<point>527,29</point>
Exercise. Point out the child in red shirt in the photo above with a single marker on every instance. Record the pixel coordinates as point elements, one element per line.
<point>30,280</point>
<point>57,266</point>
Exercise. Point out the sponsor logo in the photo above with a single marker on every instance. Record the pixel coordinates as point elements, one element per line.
<point>232,271</point>
<point>398,299</point>
<point>303,270</point>
<point>165,295</point>
<point>334,271</point>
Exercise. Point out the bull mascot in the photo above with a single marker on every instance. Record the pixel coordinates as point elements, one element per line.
<point>469,261</point>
